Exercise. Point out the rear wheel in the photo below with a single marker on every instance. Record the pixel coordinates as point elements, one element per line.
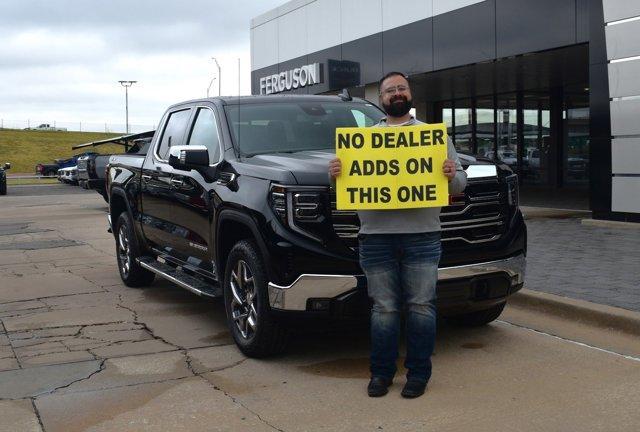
<point>127,250</point>
<point>103,192</point>
<point>3,187</point>
<point>246,302</point>
<point>479,318</point>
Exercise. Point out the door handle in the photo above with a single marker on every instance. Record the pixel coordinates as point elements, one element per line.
<point>146,177</point>
<point>178,183</point>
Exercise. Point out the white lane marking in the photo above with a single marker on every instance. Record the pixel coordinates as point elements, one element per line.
<point>628,357</point>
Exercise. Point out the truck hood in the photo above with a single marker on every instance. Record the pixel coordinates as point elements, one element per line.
<point>308,167</point>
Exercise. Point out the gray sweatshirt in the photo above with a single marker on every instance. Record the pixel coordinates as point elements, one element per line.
<point>418,220</point>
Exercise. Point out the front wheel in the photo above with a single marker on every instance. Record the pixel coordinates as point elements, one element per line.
<point>246,303</point>
<point>479,318</point>
<point>3,188</point>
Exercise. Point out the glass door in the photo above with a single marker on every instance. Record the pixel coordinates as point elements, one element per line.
<point>576,141</point>
<point>536,159</point>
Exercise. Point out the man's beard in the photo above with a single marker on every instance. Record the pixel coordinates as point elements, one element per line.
<point>398,109</point>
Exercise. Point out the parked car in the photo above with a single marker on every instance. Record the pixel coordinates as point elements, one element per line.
<point>578,167</point>
<point>71,161</point>
<point>233,200</point>
<point>47,169</point>
<point>47,127</point>
<point>68,175</point>
<point>91,167</point>
<point>3,178</point>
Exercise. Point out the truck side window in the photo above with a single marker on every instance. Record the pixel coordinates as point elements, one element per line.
<point>205,132</point>
<point>173,132</point>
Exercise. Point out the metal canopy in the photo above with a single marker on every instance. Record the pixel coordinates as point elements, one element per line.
<point>124,140</point>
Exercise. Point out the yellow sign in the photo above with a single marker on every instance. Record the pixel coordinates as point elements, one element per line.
<point>392,167</point>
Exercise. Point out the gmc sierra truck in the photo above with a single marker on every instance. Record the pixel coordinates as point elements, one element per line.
<point>233,200</point>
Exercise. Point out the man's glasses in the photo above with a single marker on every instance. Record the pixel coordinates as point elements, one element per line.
<point>391,90</point>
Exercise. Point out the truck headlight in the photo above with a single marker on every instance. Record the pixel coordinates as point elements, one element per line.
<point>278,201</point>
<point>513,190</point>
<point>306,206</point>
<point>299,207</point>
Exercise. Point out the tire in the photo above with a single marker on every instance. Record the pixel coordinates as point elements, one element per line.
<point>245,275</point>
<point>3,187</point>
<point>479,318</point>
<point>103,192</point>
<point>127,250</point>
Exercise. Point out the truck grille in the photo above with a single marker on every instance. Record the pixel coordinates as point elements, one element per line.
<point>480,218</point>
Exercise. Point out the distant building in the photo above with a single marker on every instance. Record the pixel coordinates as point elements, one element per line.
<point>549,86</point>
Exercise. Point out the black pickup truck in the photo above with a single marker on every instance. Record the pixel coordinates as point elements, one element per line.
<point>233,200</point>
<point>92,167</point>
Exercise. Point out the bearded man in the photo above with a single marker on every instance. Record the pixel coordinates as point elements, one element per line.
<point>399,254</point>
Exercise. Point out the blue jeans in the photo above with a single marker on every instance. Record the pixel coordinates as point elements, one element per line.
<point>401,270</point>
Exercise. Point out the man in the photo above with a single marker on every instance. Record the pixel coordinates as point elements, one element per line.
<point>399,254</point>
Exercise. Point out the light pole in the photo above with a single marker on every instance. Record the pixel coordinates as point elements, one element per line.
<point>219,79</point>
<point>126,85</point>
<point>210,84</point>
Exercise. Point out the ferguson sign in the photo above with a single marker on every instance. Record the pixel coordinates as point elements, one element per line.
<point>292,79</point>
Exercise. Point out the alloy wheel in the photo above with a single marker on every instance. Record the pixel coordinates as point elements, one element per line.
<point>124,249</point>
<point>243,301</point>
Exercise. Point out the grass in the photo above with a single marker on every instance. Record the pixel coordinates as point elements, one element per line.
<point>25,149</point>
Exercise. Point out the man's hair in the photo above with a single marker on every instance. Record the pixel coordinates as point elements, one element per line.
<point>389,75</point>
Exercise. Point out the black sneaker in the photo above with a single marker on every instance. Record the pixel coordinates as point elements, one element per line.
<point>413,388</point>
<point>378,386</point>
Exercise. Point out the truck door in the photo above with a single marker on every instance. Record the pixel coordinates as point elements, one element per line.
<point>157,192</point>
<point>192,200</point>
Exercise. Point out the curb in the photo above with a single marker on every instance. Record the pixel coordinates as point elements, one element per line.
<point>530,212</point>
<point>610,224</point>
<point>578,310</point>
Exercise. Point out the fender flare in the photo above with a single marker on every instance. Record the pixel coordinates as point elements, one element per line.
<point>137,227</point>
<point>122,194</point>
<point>237,216</point>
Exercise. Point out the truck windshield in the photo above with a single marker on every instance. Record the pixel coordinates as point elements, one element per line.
<point>287,127</point>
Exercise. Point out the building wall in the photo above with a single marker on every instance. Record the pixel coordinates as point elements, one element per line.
<point>372,37</point>
<point>414,36</point>
<point>623,56</point>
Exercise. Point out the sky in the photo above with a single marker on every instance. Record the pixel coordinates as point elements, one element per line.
<point>61,60</point>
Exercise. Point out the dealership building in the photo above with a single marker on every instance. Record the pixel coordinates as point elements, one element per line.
<point>550,87</point>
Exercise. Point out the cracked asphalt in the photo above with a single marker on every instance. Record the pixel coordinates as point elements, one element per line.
<point>79,351</point>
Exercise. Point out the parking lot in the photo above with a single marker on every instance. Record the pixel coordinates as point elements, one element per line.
<point>80,351</point>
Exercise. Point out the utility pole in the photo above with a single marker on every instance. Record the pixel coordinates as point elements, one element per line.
<point>219,78</point>
<point>126,85</point>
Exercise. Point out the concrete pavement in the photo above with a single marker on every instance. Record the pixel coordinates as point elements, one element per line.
<point>596,263</point>
<point>79,351</point>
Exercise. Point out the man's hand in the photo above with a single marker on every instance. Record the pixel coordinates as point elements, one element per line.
<point>449,169</point>
<point>335,168</point>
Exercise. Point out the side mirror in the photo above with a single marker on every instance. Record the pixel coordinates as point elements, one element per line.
<point>189,158</point>
<point>7,166</point>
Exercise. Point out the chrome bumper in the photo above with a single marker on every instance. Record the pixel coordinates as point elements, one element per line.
<point>294,297</point>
